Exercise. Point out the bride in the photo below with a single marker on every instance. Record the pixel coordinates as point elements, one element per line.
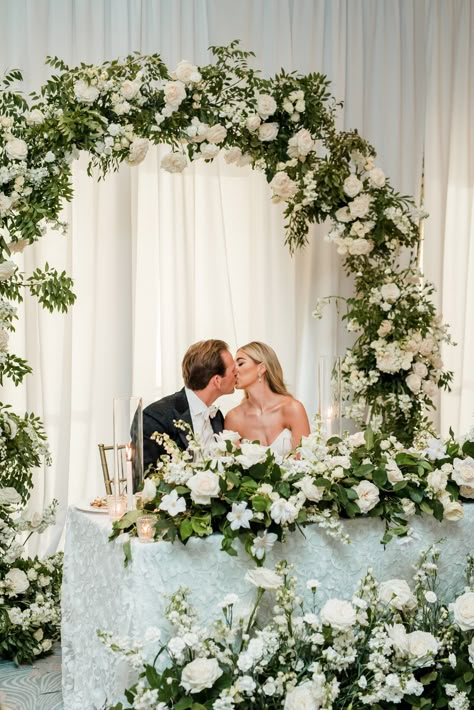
<point>268,413</point>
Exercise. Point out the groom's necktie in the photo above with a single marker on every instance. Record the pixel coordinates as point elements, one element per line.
<point>207,433</point>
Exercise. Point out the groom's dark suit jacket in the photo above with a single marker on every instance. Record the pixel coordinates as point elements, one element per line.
<point>160,416</point>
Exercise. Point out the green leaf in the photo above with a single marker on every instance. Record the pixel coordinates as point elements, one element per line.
<point>127,552</point>
<point>379,477</point>
<point>185,529</point>
<point>428,677</point>
<point>369,439</point>
<point>183,704</point>
<point>261,503</point>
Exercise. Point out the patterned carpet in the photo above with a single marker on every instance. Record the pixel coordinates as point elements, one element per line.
<point>35,687</point>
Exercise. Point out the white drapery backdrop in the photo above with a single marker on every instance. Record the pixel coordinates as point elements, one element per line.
<point>161,261</point>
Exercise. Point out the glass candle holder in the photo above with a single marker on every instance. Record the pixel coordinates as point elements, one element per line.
<point>116,506</point>
<point>146,528</point>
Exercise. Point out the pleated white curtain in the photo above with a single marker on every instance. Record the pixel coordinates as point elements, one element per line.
<point>160,261</point>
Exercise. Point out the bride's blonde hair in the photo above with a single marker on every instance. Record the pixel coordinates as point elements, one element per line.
<point>261,353</point>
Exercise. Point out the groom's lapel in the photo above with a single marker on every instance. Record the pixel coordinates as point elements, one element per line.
<point>217,422</point>
<point>183,413</point>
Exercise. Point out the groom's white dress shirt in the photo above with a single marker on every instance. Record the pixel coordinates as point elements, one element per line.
<point>200,417</point>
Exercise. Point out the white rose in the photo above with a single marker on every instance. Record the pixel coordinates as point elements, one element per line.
<point>283,186</point>
<point>310,491</point>
<point>130,89</point>
<point>338,613</point>
<point>430,388</point>
<point>360,206</point>
<point>34,116</point>
<point>360,247</point>
<point>437,480</point>
<point>7,269</point>
<point>453,510</point>
<point>216,134</point>
<point>137,151</point>
<point>209,151</point>
<point>343,215</point>
<point>357,439</point>
<point>174,162</point>
<point>9,496</point>
<point>463,610</point>
<point>266,105</point>
<point>174,93</point>
<point>426,346</point>
<point>268,131</point>
<point>85,93</point>
<point>463,471</point>
<point>264,578</point>
<point>384,328</point>
<point>419,368</point>
<point>376,177</point>
<point>409,508</point>
<point>368,496</point>
<point>300,144</point>
<point>301,698</point>
<point>360,229</point>
<point>394,474</point>
<point>203,486</point>
<point>38,635</point>
<point>413,382</point>
<point>390,292</point>
<point>398,635</point>
<point>253,122</point>
<point>149,491</point>
<point>199,674</point>
<point>352,186</point>
<point>18,580</point>
<point>422,647</point>
<point>16,149</point>
<point>233,155</point>
<point>187,73</point>
<point>466,492</point>
<point>397,594</point>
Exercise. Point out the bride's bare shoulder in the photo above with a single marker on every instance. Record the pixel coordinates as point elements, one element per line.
<point>235,414</point>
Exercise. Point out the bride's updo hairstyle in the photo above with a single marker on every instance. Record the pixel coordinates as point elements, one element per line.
<point>265,355</point>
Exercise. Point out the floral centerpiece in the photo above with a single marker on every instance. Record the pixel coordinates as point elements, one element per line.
<point>390,645</point>
<point>244,491</point>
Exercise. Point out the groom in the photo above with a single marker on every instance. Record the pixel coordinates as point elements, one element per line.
<point>208,372</point>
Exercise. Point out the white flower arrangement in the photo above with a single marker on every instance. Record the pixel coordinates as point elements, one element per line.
<point>351,653</point>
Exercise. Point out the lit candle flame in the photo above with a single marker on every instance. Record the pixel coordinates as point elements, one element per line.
<point>128,452</point>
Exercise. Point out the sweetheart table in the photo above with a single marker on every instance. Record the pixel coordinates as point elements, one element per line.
<point>100,593</point>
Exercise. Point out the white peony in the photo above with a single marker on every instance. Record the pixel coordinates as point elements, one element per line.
<point>174,94</point>
<point>463,611</point>
<point>422,647</point>
<point>268,131</point>
<point>308,488</point>
<point>17,580</point>
<point>149,491</point>
<point>397,594</point>
<point>376,177</point>
<point>301,698</point>
<point>463,472</point>
<point>343,215</point>
<point>390,292</point>
<point>174,162</point>
<point>283,186</point>
<point>352,186</point>
<point>339,614</point>
<point>216,134</point>
<point>204,485</point>
<point>85,93</point>
<point>200,674</point>
<point>413,382</point>
<point>137,151</point>
<point>187,73</point>
<point>264,578</point>
<point>9,496</point>
<point>266,105</point>
<point>130,89</point>
<point>368,495</point>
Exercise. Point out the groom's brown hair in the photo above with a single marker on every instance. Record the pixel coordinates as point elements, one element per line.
<point>202,361</point>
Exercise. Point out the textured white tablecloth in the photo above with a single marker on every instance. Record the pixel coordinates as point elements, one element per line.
<point>99,593</point>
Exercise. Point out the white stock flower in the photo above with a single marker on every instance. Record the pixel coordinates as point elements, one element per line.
<point>376,177</point>
<point>9,496</point>
<point>282,511</point>
<point>463,472</point>
<point>251,454</point>
<point>7,269</point>
<point>262,544</point>
<point>268,131</point>
<point>283,186</point>
<point>17,580</point>
<point>174,94</point>
<point>368,495</point>
<point>204,485</point>
<point>357,439</point>
<point>397,594</point>
<point>149,491</point>
<point>390,292</point>
<point>84,92</point>
<point>216,133</point>
<point>200,674</point>
<point>422,647</point>
<point>413,382</point>
<point>352,186</point>
<point>398,636</point>
<point>187,73</point>
<point>4,336</point>
<point>240,516</point>
<point>266,105</point>
<point>301,698</point>
<point>174,162</point>
<point>264,578</point>
<point>172,504</point>
<point>137,151</point>
<point>309,489</point>
<point>339,614</point>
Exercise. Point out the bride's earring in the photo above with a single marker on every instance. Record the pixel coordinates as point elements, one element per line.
<point>259,377</point>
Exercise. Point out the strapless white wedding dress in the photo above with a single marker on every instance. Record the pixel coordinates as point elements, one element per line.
<point>282,444</point>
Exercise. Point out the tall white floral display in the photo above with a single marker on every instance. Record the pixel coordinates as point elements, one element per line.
<point>285,127</point>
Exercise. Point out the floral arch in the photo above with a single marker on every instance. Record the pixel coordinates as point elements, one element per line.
<point>284,127</point>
